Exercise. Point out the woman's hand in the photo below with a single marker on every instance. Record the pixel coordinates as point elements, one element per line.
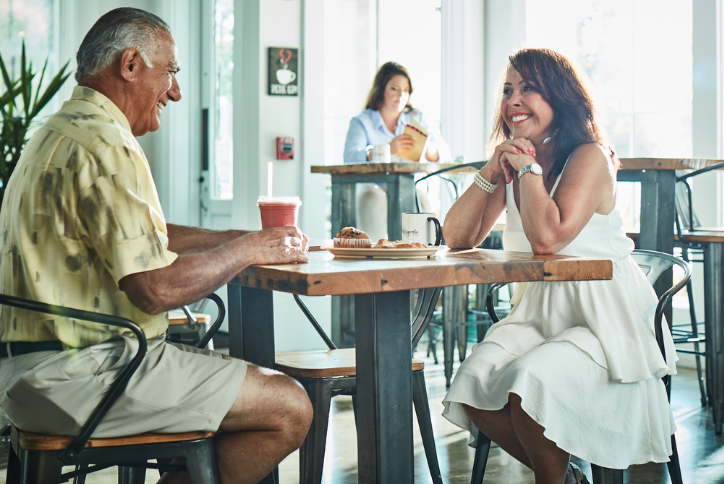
<point>401,143</point>
<point>513,155</point>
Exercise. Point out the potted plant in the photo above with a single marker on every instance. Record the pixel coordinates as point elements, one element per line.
<point>20,103</point>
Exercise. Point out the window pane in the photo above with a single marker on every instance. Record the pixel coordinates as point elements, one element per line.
<point>222,165</point>
<point>640,72</point>
<point>35,22</point>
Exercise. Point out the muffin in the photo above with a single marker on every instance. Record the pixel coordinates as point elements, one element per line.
<point>351,238</point>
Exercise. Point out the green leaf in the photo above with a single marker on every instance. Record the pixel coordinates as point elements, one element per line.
<point>50,91</point>
<point>25,76</point>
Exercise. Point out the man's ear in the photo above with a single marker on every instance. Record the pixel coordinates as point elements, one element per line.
<point>130,63</point>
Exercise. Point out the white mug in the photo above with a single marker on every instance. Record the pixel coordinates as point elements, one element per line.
<point>381,153</point>
<point>421,227</point>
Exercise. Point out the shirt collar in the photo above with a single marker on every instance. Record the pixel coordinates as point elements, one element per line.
<point>85,93</point>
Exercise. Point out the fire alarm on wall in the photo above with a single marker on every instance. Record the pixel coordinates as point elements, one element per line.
<point>285,148</point>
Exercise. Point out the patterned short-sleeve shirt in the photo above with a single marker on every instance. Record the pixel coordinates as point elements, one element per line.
<point>80,212</point>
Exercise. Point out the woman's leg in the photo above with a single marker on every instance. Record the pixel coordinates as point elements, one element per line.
<point>549,462</point>
<point>522,437</point>
<point>497,425</point>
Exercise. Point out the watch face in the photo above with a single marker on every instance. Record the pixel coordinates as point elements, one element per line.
<point>535,168</point>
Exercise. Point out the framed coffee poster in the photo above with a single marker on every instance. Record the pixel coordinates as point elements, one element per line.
<point>283,71</point>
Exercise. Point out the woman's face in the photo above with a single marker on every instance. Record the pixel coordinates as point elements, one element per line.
<point>524,110</point>
<point>397,93</point>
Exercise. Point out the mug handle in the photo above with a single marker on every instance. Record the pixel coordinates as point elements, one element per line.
<point>438,229</point>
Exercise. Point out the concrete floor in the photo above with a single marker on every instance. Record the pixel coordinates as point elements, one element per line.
<point>701,452</point>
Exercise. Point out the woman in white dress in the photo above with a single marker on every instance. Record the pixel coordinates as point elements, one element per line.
<point>574,368</point>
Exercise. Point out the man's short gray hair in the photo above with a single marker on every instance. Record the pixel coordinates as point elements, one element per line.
<point>115,32</point>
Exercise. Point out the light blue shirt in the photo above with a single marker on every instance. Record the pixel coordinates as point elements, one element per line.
<point>368,129</point>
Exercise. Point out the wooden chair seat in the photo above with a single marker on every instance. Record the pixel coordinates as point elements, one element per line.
<point>324,363</point>
<point>33,441</point>
<point>176,319</point>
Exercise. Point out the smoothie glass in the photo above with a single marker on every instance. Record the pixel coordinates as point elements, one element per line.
<point>278,211</point>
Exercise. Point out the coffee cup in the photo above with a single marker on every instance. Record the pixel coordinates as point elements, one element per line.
<point>279,211</point>
<point>422,228</point>
<point>381,153</point>
<point>285,76</point>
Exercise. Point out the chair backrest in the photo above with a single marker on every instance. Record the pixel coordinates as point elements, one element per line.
<point>450,183</point>
<point>653,263</point>
<point>685,216</point>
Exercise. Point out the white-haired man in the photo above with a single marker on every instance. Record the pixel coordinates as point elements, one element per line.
<point>82,227</point>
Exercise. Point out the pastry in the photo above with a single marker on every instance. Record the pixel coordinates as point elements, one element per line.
<point>352,238</point>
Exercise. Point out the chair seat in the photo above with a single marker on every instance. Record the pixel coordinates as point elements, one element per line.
<point>33,441</point>
<point>176,318</point>
<point>324,363</point>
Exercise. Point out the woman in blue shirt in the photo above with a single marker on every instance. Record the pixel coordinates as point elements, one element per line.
<point>383,121</point>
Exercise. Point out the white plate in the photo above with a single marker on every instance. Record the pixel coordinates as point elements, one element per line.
<point>382,253</point>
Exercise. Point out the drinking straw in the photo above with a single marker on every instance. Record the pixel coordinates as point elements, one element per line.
<point>269,178</point>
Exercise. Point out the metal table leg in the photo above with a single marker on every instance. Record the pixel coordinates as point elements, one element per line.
<point>251,330</point>
<point>384,388</point>
<point>714,319</point>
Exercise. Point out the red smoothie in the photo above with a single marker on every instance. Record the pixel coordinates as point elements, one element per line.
<point>278,212</point>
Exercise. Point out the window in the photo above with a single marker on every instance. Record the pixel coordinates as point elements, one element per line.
<point>638,57</point>
<point>223,149</point>
<point>36,23</point>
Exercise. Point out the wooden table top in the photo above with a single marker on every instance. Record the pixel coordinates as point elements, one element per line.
<point>386,168</point>
<point>414,167</point>
<point>325,274</point>
<point>666,163</point>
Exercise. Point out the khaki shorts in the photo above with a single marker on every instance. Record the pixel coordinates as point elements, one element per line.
<point>177,388</point>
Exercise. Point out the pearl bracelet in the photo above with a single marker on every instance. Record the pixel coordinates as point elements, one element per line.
<point>485,184</point>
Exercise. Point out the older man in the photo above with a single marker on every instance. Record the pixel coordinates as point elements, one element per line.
<point>82,227</point>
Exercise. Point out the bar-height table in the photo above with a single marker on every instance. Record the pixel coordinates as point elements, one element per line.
<point>400,180</point>
<point>383,335</point>
<point>658,190</point>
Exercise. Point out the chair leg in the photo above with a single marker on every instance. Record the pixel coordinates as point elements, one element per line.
<point>311,454</point>
<point>14,468</point>
<point>695,334</point>
<point>462,340</point>
<point>422,410</point>
<point>131,475</point>
<point>432,343</point>
<point>201,462</point>
<point>674,464</point>
<point>606,476</point>
<point>40,467</point>
<point>80,479</point>
<point>482,449</point>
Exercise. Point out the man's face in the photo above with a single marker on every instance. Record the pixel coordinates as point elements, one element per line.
<point>156,86</point>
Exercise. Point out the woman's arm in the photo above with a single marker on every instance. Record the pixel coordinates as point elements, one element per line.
<point>437,148</point>
<point>357,143</point>
<point>587,186</point>
<point>473,215</point>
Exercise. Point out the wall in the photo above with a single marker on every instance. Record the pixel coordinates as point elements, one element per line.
<point>264,24</point>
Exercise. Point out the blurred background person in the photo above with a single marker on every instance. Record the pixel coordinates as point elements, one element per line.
<point>387,112</point>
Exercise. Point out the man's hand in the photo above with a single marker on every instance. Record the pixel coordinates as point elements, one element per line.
<point>278,245</point>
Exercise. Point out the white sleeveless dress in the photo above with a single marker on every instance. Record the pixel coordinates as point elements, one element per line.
<point>581,355</point>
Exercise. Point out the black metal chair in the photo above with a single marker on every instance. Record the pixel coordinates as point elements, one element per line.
<point>692,250</point>
<point>326,374</point>
<point>36,458</point>
<point>653,265</point>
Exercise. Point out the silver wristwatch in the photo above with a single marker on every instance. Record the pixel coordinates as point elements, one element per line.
<point>533,168</point>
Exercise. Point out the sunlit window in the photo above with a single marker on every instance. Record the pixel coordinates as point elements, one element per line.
<point>640,72</point>
<point>222,161</point>
<point>35,23</point>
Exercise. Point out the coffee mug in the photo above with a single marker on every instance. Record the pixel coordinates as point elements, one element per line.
<point>421,227</point>
<point>381,153</point>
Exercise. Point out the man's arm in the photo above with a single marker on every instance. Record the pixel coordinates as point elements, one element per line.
<point>188,240</point>
<point>193,275</point>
